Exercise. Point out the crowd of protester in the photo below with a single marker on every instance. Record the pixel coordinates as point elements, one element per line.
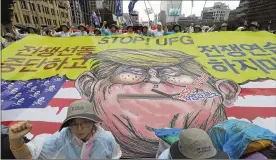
<point>82,30</point>
<point>81,137</point>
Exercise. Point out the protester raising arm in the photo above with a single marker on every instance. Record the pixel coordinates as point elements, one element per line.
<point>17,145</point>
<point>17,34</point>
<point>44,146</point>
<point>158,32</point>
<point>82,31</point>
<point>65,31</point>
<point>165,28</point>
<point>56,34</point>
<point>104,30</point>
<point>166,32</point>
<point>80,137</point>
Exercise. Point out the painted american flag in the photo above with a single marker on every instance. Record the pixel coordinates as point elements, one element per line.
<point>46,104</point>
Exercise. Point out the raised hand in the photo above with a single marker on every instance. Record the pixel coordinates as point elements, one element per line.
<point>19,130</point>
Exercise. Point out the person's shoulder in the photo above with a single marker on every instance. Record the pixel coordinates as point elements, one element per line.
<point>165,154</point>
<point>103,134</point>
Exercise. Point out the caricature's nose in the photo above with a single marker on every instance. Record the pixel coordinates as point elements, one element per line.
<point>153,76</point>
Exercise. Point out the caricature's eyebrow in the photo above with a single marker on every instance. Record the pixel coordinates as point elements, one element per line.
<point>134,68</point>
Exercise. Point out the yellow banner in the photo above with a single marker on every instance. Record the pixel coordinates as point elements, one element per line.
<point>237,56</point>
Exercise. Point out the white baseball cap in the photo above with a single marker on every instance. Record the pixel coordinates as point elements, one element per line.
<point>159,24</point>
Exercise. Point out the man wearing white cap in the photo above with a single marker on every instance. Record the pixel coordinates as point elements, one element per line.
<point>193,143</point>
<point>79,137</point>
<point>82,31</point>
<point>159,32</point>
<point>65,31</point>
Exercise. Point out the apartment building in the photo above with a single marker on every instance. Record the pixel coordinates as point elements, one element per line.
<point>242,10</point>
<point>76,12</point>
<point>106,10</point>
<point>232,15</point>
<point>218,13</point>
<point>172,10</point>
<point>263,12</point>
<point>82,10</point>
<point>43,12</point>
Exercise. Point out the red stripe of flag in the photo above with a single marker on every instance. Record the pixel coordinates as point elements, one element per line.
<point>258,91</point>
<point>61,103</point>
<point>68,84</point>
<point>251,113</point>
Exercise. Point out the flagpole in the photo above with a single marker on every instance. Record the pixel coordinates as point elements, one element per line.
<point>147,12</point>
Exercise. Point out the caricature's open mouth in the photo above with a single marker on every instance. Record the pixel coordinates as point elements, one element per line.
<point>159,95</point>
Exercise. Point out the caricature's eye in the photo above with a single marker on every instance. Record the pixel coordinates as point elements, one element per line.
<point>175,76</point>
<point>179,80</point>
<point>169,72</point>
<point>138,71</point>
<point>130,76</point>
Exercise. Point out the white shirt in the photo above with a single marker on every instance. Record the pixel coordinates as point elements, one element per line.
<point>80,33</point>
<point>62,34</point>
<point>64,145</point>
<point>165,154</point>
<point>191,29</point>
<point>7,43</point>
<point>157,33</point>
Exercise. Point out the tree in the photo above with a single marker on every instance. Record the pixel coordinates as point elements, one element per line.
<point>7,12</point>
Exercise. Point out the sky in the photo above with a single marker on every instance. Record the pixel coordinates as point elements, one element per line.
<point>186,7</point>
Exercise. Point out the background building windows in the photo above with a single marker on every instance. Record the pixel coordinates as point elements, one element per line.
<point>23,4</point>
<point>16,18</point>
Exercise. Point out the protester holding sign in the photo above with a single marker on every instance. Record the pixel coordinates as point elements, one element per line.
<point>175,29</point>
<point>113,29</point>
<point>82,31</point>
<point>65,31</point>
<point>130,29</point>
<point>254,26</point>
<point>197,29</point>
<point>79,137</point>
<point>30,30</point>
<point>145,31</point>
<point>97,32</point>
<point>159,32</point>
<point>9,39</point>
